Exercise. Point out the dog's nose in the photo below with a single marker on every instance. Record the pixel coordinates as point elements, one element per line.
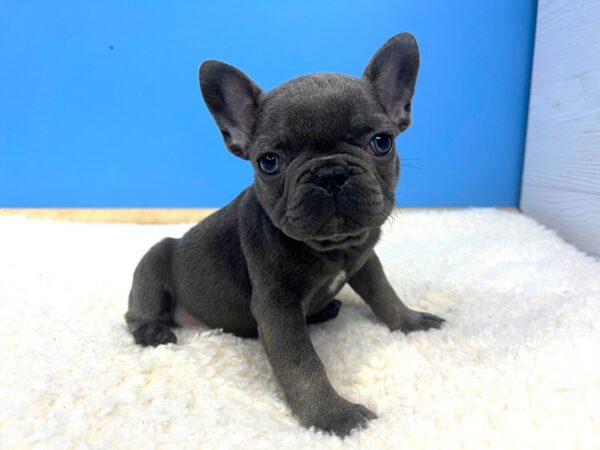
<point>331,177</point>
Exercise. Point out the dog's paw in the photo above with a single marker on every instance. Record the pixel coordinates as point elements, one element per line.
<point>343,418</point>
<point>418,321</point>
<point>154,334</point>
<point>330,311</point>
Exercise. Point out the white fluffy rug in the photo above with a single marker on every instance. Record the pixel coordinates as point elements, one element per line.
<point>517,364</point>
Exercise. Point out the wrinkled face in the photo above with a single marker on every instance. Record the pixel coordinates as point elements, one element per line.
<point>324,159</point>
<point>322,146</point>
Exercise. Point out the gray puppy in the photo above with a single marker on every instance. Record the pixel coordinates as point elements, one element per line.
<point>326,168</point>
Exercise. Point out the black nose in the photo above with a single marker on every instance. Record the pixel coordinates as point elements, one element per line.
<point>331,177</point>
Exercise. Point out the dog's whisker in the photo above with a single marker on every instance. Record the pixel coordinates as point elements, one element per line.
<point>411,166</point>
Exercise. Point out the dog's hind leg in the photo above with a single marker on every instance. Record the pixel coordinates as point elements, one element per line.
<point>150,314</point>
<point>330,311</point>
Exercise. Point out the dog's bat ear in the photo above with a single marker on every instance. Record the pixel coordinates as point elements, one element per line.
<point>392,72</point>
<point>232,99</point>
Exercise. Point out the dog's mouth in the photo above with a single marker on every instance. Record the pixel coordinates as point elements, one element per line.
<point>338,241</point>
<point>334,220</point>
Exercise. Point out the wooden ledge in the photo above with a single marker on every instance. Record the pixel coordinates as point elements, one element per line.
<point>138,215</point>
<point>113,215</point>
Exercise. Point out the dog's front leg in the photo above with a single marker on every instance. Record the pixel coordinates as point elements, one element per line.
<point>373,286</point>
<point>300,372</point>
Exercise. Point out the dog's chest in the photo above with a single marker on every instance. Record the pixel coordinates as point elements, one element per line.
<point>324,293</point>
<point>337,283</point>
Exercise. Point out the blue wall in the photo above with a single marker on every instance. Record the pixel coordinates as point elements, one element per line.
<point>100,106</point>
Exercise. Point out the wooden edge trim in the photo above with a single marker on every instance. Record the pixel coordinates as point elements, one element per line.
<point>140,215</point>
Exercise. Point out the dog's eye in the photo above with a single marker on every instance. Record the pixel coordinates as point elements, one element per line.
<point>269,164</point>
<point>382,144</point>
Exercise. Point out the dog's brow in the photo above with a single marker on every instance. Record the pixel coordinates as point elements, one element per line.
<point>359,131</point>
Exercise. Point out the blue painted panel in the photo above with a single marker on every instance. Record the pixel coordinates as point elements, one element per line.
<point>99,102</point>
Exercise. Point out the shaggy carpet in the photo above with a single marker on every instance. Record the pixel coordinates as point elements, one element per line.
<point>517,365</point>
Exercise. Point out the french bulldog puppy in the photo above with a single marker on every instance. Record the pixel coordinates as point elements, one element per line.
<point>326,168</point>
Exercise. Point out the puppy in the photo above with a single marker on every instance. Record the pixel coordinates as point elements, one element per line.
<point>326,168</point>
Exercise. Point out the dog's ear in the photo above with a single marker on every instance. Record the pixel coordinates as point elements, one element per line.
<point>232,99</point>
<point>393,73</point>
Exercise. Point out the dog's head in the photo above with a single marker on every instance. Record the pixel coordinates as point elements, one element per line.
<point>322,145</point>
